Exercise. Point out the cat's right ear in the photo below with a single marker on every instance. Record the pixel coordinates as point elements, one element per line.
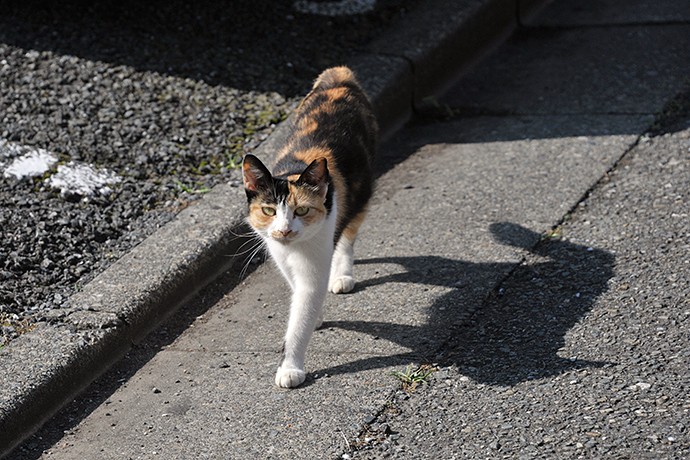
<point>256,176</point>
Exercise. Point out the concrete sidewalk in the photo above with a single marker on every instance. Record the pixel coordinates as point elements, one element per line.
<point>45,368</point>
<point>565,346</point>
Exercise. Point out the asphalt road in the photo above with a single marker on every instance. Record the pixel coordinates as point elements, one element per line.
<point>531,249</point>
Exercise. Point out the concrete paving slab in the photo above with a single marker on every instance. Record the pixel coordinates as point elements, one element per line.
<point>127,301</point>
<point>53,363</point>
<point>193,410</point>
<point>438,53</point>
<point>568,13</point>
<point>585,356</point>
<point>513,168</point>
<point>626,70</point>
<point>498,181</point>
<point>445,228</point>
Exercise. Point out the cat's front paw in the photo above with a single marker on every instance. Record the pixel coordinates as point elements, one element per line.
<point>342,285</point>
<point>289,377</point>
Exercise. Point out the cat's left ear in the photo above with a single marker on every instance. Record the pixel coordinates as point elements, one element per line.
<point>316,175</point>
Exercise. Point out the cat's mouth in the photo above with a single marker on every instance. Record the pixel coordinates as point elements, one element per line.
<point>283,237</point>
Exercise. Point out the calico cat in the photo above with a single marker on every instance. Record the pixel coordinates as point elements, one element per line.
<point>308,211</point>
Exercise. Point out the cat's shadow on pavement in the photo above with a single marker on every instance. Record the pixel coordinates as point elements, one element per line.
<point>515,333</point>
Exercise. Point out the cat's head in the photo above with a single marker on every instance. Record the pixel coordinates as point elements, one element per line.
<point>286,209</point>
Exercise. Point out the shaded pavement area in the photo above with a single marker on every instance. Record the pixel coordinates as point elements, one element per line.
<point>529,243</point>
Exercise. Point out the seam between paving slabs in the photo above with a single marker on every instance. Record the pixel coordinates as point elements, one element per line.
<point>50,365</point>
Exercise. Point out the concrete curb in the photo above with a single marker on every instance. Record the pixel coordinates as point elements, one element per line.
<point>50,365</point>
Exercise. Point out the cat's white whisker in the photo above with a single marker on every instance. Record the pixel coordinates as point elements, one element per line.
<point>256,249</point>
<point>247,234</point>
<point>252,239</point>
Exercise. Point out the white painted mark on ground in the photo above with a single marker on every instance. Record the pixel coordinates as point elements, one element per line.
<point>82,179</point>
<point>26,161</point>
<point>336,8</point>
<point>23,161</point>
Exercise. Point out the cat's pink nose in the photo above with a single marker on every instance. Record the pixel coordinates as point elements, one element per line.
<point>282,234</point>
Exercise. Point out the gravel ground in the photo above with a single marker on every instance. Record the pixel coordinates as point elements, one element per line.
<point>163,99</point>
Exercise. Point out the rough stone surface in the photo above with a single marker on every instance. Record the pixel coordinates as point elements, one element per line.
<point>532,261</point>
<point>582,352</point>
<point>181,78</point>
<point>164,100</point>
<point>580,70</point>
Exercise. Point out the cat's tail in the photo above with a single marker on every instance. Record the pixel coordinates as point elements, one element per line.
<point>335,77</point>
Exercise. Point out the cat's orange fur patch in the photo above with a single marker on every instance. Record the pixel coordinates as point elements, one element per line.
<point>320,121</point>
<point>333,76</point>
<point>350,232</point>
<point>256,216</point>
<point>298,197</point>
<point>307,126</point>
<point>335,94</point>
<point>301,197</point>
<point>316,153</point>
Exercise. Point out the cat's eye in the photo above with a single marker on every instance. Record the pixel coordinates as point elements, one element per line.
<point>301,211</point>
<point>269,211</point>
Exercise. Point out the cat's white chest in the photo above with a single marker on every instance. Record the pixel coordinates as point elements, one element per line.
<point>303,262</point>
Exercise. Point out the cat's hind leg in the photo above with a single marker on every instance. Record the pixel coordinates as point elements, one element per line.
<point>341,279</point>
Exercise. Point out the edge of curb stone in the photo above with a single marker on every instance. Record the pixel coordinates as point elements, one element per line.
<point>50,365</point>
